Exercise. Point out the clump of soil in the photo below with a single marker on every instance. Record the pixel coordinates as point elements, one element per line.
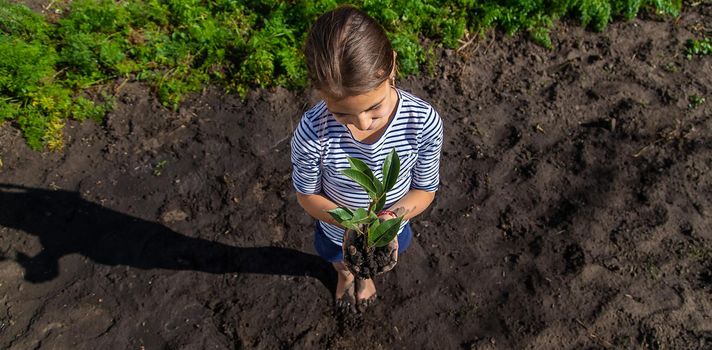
<point>364,261</point>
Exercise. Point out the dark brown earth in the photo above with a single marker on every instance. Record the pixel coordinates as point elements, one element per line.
<point>575,213</point>
<point>367,262</point>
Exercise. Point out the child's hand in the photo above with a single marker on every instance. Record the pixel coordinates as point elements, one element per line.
<point>375,263</point>
<point>391,251</point>
<point>392,247</point>
<point>393,254</point>
<point>386,215</point>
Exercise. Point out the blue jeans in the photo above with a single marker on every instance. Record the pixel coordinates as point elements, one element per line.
<point>332,252</point>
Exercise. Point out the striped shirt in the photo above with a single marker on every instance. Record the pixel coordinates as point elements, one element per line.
<point>321,147</point>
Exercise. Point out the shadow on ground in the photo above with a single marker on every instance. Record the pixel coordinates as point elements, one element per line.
<point>65,224</point>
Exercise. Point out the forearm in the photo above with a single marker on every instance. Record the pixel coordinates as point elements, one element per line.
<point>317,205</point>
<point>413,203</point>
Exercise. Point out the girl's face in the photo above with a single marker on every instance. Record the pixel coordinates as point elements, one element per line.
<point>366,112</point>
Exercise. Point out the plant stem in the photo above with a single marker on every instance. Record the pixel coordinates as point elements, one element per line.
<point>366,226</point>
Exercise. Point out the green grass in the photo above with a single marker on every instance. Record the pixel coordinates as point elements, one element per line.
<point>179,46</point>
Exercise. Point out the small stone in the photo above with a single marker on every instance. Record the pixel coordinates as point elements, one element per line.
<point>173,216</point>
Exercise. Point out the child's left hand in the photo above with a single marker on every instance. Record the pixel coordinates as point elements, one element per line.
<point>392,247</point>
<point>393,254</point>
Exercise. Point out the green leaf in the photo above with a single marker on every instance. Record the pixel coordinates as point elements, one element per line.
<point>388,236</point>
<point>341,214</point>
<point>391,168</point>
<point>360,214</point>
<point>384,232</point>
<point>361,179</point>
<point>379,188</point>
<point>350,225</point>
<point>374,225</point>
<point>358,164</point>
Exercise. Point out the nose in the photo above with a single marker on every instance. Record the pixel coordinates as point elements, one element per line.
<point>363,121</point>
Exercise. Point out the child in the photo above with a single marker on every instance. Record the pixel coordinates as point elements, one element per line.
<point>352,65</point>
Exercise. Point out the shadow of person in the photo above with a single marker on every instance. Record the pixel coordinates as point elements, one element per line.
<point>65,224</point>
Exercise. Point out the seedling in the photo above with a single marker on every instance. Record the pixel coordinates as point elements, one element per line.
<point>364,221</point>
<point>158,169</point>
<point>695,101</point>
<point>670,67</point>
<point>695,47</point>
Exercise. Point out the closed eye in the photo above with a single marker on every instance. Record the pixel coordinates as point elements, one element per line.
<point>372,108</point>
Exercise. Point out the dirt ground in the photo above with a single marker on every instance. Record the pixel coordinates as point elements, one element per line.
<point>575,213</point>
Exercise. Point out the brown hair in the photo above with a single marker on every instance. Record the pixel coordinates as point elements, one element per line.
<point>347,52</point>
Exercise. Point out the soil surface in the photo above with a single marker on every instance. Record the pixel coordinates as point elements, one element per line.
<point>575,213</point>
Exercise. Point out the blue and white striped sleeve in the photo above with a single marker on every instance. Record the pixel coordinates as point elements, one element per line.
<point>306,158</point>
<point>426,173</point>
